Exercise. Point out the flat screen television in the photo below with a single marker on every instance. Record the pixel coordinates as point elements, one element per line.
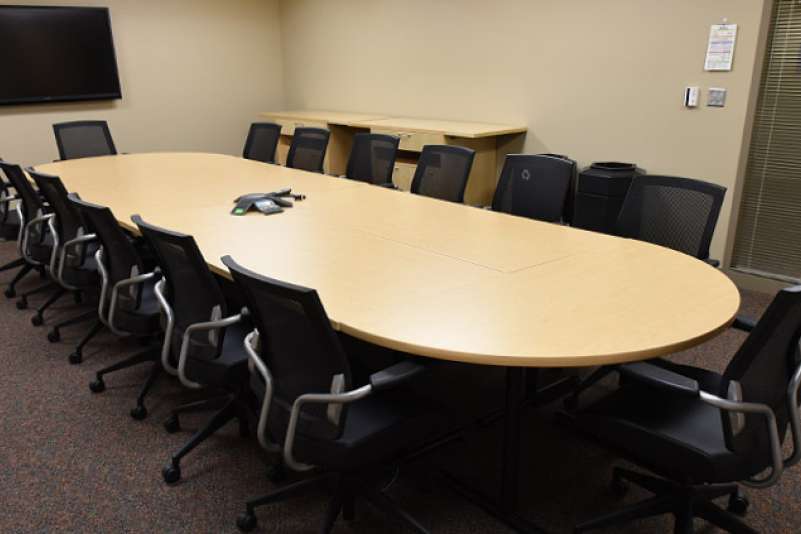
<point>56,54</point>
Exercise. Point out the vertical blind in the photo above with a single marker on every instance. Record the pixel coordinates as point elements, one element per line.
<point>768,238</point>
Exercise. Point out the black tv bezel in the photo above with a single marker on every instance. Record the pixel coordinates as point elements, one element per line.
<point>70,98</point>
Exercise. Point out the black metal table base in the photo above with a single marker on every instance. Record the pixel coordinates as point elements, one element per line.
<point>505,507</point>
<point>509,517</point>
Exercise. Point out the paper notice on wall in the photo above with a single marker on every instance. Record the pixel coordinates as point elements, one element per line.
<point>720,51</point>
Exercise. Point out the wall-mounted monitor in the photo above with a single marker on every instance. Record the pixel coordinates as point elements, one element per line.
<point>56,54</point>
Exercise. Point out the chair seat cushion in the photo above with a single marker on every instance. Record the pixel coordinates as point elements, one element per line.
<point>9,225</point>
<point>678,437</point>
<point>230,367</point>
<point>40,250</point>
<point>86,274</point>
<point>377,429</point>
<point>143,320</point>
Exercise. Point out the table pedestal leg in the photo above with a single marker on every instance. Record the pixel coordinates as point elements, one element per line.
<point>505,508</point>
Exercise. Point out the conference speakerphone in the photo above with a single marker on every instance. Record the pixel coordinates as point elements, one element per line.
<point>266,203</point>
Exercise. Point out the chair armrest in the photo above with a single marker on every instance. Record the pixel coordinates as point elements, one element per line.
<point>712,262</point>
<point>55,249</point>
<point>158,290</point>
<point>257,363</point>
<point>395,375</point>
<point>115,291</point>
<point>795,418</point>
<point>318,398</point>
<point>65,250</point>
<point>660,378</point>
<point>777,463</point>
<point>746,324</point>
<point>26,231</point>
<point>200,327</point>
<point>6,199</point>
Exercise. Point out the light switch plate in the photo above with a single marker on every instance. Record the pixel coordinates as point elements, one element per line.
<point>716,97</point>
<point>691,96</point>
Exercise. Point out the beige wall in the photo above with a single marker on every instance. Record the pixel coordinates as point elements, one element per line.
<point>594,79</point>
<point>194,73</point>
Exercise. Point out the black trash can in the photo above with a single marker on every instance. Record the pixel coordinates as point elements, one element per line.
<point>600,191</point>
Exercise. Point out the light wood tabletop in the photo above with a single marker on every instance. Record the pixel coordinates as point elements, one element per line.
<point>424,276</point>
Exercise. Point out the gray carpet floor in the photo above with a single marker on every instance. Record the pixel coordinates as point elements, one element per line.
<point>73,461</point>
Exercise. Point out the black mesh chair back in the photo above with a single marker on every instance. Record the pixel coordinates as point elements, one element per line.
<point>534,186</point>
<point>372,158</point>
<point>262,141</point>
<point>307,151</point>
<point>763,368</point>
<point>570,198</point>
<point>299,347</point>
<point>678,213</point>
<point>83,139</point>
<point>68,221</point>
<point>120,257</point>
<point>442,172</point>
<point>192,291</point>
<point>32,204</point>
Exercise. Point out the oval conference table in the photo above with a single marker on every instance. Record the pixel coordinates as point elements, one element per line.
<point>427,277</point>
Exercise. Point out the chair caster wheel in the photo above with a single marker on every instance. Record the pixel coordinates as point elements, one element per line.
<point>618,487</point>
<point>37,320</point>
<point>172,424</point>
<point>97,386</point>
<point>246,522</point>
<point>171,474</point>
<point>22,303</point>
<point>276,473</point>
<point>10,293</point>
<point>139,413</point>
<point>53,336</point>
<point>75,358</point>
<point>738,504</point>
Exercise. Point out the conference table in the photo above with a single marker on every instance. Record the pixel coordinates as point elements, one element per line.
<point>427,277</point>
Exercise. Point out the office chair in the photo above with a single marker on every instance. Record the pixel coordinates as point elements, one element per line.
<point>128,303</point>
<point>72,263</point>
<point>570,199</point>
<point>372,158</point>
<point>307,151</point>
<point>9,221</point>
<point>678,213</point>
<point>350,432</point>
<point>442,172</point>
<point>10,227</point>
<point>702,432</point>
<point>262,142</point>
<point>83,139</point>
<point>208,343</point>
<point>35,243</point>
<point>534,186</point>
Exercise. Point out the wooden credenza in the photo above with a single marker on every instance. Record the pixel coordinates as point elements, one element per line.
<point>414,133</point>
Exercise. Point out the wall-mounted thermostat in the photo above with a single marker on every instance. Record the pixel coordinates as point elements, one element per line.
<point>716,97</point>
